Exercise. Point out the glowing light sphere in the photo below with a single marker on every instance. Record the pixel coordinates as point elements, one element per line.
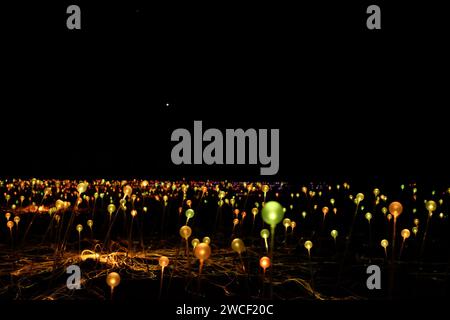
<point>113,280</point>
<point>111,208</point>
<point>7,216</point>
<point>82,187</point>
<point>165,198</point>
<point>189,213</point>
<point>416,222</point>
<point>368,216</point>
<point>202,251</point>
<point>272,213</point>
<point>308,245</point>
<point>195,242</point>
<point>127,190</point>
<point>163,261</point>
<point>384,243</point>
<point>389,217</point>
<point>235,221</point>
<point>238,245</point>
<point>189,203</point>
<point>415,230</point>
<point>325,210</point>
<point>405,233</point>
<point>384,210</point>
<point>206,240</point>
<point>332,201</point>
<point>265,188</point>
<point>304,214</point>
<point>90,223</point>
<point>10,224</point>
<point>359,197</point>
<point>335,210</point>
<point>79,228</point>
<point>185,232</point>
<point>265,233</point>
<point>144,184</point>
<point>13,207</point>
<point>376,192</point>
<point>17,219</point>
<point>431,206</point>
<point>396,209</point>
<point>334,234</point>
<point>441,215</point>
<point>134,213</point>
<point>255,211</point>
<point>264,263</point>
<point>293,224</point>
<point>287,223</point>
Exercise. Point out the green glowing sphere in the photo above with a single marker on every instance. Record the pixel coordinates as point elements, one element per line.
<point>265,233</point>
<point>189,213</point>
<point>272,213</point>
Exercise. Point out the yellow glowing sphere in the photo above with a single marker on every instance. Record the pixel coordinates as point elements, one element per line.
<point>405,233</point>
<point>238,245</point>
<point>376,192</point>
<point>308,245</point>
<point>79,228</point>
<point>144,183</point>
<point>265,233</point>
<point>134,213</point>
<point>304,214</point>
<point>13,207</point>
<point>368,216</point>
<point>195,242</point>
<point>272,213</point>
<point>416,222</point>
<point>287,223</point>
<point>359,197</point>
<point>293,224</point>
<point>10,224</point>
<point>334,234</point>
<point>255,211</point>
<point>185,232</point>
<point>384,210</point>
<point>113,279</point>
<point>396,209</point>
<point>163,261</point>
<point>332,201</point>
<point>206,240</point>
<point>127,190</point>
<point>17,219</point>
<point>188,203</point>
<point>389,217</point>
<point>221,194</point>
<point>82,186</point>
<point>165,198</point>
<point>189,213</point>
<point>325,210</point>
<point>90,223</point>
<point>430,205</point>
<point>415,230</point>
<point>384,243</point>
<point>202,251</point>
<point>7,215</point>
<point>264,263</point>
<point>265,188</point>
<point>441,215</point>
<point>111,208</point>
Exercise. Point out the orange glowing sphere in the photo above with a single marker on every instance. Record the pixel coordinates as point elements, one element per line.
<point>7,215</point>
<point>113,279</point>
<point>236,211</point>
<point>264,262</point>
<point>189,203</point>
<point>396,209</point>
<point>10,224</point>
<point>235,221</point>
<point>17,219</point>
<point>185,232</point>
<point>325,210</point>
<point>195,242</point>
<point>202,251</point>
<point>134,213</point>
<point>405,233</point>
<point>127,190</point>
<point>163,262</point>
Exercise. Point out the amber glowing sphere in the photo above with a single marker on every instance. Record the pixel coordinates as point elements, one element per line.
<point>17,219</point>
<point>127,190</point>
<point>325,210</point>
<point>163,262</point>
<point>195,242</point>
<point>7,215</point>
<point>202,251</point>
<point>111,208</point>
<point>416,222</point>
<point>264,262</point>
<point>144,184</point>
<point>189,213</point>
<point>405,233</point>
<point>308,245</point>
<point>384,243</point>
<point>293,224</point>
<point>376,192</point>
<point>272,213</point>
<point>189,203</point>
<point>10,224</point>
<point>396,209</point>
<point>265,188</point>
<point>82,186</point>
<point>238,245</point>
<point>206,240</point>
<point>113,279</point>
<point>430,205</point>
<point>134,213</point>
<point>359,197</point>
<point>79,228</point>
<point>235,221</point>
<point>287,223</point>
<point>90,223</point>
<point>264,233</point>
<point>185,232</point>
